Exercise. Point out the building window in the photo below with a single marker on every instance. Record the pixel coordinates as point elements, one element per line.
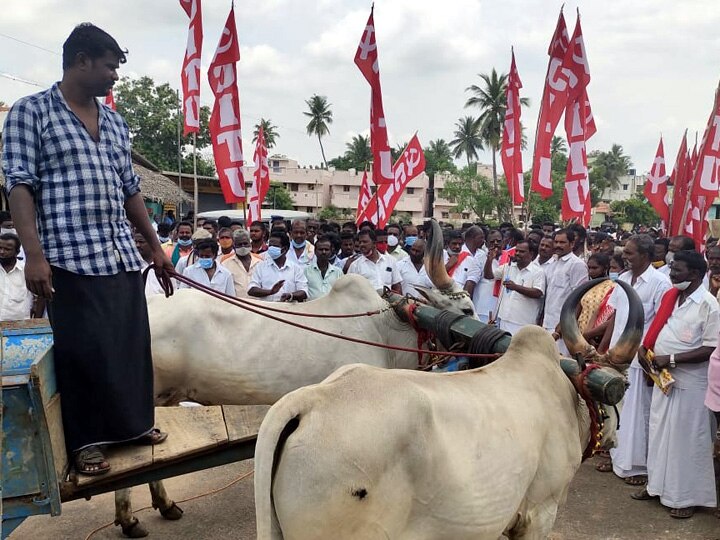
<point>466,215</point>
<point>310,209</point>
<point>346,189</point>
<point>311,187</point>
<point>445,215</point>
<point>293,187</point>
<point>410,190</point>
<point>439,192</point>
<point>625,187</point>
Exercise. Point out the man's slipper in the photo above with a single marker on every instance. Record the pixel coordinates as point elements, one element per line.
<point>682,513</point>
<point>636,480</point>
<point>643,495</point>
<point>90,461</point>
<point>153,437</point>
<point>604,465</point>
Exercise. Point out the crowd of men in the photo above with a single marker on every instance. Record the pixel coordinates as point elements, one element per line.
<point>515,278</point>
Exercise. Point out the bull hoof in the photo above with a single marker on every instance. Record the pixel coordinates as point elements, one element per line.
<point>172,512</point>
<point>134,530</point>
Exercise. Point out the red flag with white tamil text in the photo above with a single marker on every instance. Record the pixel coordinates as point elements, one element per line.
<point>190,74</point>
<point>655,189</point>
<point>261,180</point>
<point>511,152</point>
<point>679,179</point>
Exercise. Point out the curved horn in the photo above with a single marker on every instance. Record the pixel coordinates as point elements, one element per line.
<point>571,334</point>
<point>434,264</point>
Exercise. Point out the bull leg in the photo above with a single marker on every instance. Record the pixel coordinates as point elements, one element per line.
<point>130,525</point>
<point>537,523</point>
<point>161,501</point>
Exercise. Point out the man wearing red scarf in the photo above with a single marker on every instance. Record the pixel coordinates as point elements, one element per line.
<point>682,336</point>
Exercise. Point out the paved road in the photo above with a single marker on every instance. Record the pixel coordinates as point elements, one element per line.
<point>598,508</point>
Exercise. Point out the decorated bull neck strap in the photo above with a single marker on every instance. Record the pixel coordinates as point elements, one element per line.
<point>454,295</point>
<point>596,419</point>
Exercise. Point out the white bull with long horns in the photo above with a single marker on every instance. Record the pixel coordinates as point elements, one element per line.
<point>214,353</point>
<point>403,455</point>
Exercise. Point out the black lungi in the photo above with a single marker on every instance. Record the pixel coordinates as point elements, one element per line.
<point>103,362</point>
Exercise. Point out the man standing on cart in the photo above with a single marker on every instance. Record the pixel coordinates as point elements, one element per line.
<point>72,190</point>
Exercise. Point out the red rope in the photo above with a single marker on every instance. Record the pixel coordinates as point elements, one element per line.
<point>595,426</point>
<point>244,305</point>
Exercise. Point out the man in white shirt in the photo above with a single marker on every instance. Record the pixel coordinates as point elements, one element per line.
<point>677,243</point>
<point>521,298</point>
<point>483,296</point>
<point>276,279</point>
<point>207,271</point>
<point>629,458</point>
<point>16,301</point>
<point>301,251</point>
<point>546,249</point>
<point>460,263</point>
<point>243,263</point>
<point>680,462</point>
<point>380,269</point>
<point>320,274</point>
<point>563,276</point>
<point>394,240</point>
<point>412,270</point>
<point>152,285</point>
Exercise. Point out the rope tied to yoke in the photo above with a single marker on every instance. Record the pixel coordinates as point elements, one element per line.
<point>596,420</point>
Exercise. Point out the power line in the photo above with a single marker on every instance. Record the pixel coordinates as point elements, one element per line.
<point>30,44</point>
<point>18,79</point>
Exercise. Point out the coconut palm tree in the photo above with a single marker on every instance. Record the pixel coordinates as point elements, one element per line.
<point>467,138</point>
<point>490,99</point>
<point>269,131</point>
<point>558,146</point>
<point>358,152</point>
<point>320,116</point>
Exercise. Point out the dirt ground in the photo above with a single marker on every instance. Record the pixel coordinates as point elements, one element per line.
<point>599,507</point>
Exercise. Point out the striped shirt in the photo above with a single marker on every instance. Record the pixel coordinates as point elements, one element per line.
<point>80,186</point>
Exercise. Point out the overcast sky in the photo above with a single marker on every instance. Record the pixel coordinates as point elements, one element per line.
<point>654,63</point>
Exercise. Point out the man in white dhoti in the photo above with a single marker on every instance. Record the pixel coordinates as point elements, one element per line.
<point>680,446</point>
<point>629,458</point>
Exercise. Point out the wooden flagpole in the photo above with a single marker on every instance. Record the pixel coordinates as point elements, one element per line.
<point>195,182</point>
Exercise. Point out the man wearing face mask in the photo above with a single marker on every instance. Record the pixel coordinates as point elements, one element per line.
<point>320,273</point>
<point>380,269</point>
<point>393,242</point>
<point>276,279</point>
<point>682,337</point>
<point>412,270</point>
<point>183,246</point>
<point>677,243</point>
<point>197,237</point>
<point>225,239</point>
<point>207,271</point>
<point>301,251</point>
<point>242,265</point>
<point>411,235</point>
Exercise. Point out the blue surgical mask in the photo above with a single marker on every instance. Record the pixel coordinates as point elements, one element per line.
<point>410,240</point>
<point>163,239</point>
<point>298,245</point>
<point>614,275</point>
<point>275,252</point>
<point>185,243</point>
<point>206,263</point>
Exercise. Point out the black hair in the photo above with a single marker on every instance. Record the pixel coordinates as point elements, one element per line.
<point>88,39</point>
<point>163,229</point>
<point>516,235</point>
<point>225,230</point>
<point>350,225</point>
<point>601,258</point>
<point>663,242</point>
<point>454,235</point>
<point>5,216</point>
<point>396,226</point>
<point>347,236</point>
<point>205,244</point>
<point>618,260</point>
<point>548,224</point>
<point>212,223</point>
<point>691,258</point>
<point>579,230</point>
<point>224,221</point>
<point>688,244</point>
<point>260,224</point>
<point>367,224</point>
<point>14,238</point>
<point>184,224</point>
<point>284,239</point>
<point>569,234</point>
<point>367,232</point>
<point>532,246</point>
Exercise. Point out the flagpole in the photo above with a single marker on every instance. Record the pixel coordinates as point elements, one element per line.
<point>195,182</point>
<point>179,133</point>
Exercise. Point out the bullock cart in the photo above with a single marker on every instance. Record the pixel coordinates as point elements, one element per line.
<point>36,478</point>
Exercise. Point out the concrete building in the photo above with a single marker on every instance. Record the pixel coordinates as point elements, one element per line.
<point>628,185</point>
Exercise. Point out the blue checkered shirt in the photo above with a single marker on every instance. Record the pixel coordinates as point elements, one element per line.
<point>79,186</point>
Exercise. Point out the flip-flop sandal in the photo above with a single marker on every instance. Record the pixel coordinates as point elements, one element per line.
<point>605,465</point>
<point>643,495</point>
<point>153,437</point>
<point>636,480</point>
<point>682,513</point>
<point>88,458</point>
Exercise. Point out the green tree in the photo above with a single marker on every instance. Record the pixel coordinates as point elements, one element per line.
<point>468,139</point>
<point>491,100</point>
<point>558,146</point>
<point>636,210</point>
<point>320,117</point>
<point>611,166</point>
<point>397,151</point>
<point>269,131</point>
<point>471,192</point>
<point>330,212</point>
<point>279,198</point>
<point>153,116</point>
<point>438,157</point>
<point>358,152</point>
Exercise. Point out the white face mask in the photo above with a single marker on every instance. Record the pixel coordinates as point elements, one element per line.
<point>242,251</point>
<point>7,231</point>
<point>682,285</point>
<point>669,257</point>
<point>392,240</point>
<point>614,275</point>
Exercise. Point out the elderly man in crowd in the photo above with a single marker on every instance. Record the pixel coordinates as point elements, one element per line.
<point>412,270</point>
<point>225,239</point>
<point>629,458</point>
<point>320,274</point>
<point>242,264</point>
<point>301,251</point>
<point>207,271</point>
<point>682,337</point>
<point>276,279</point>
<point>380,269</point>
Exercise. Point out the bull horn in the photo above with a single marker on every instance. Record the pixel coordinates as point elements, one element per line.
<point>626,347</point>
<point>434,264</point>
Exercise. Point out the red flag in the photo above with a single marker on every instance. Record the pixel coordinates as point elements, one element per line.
<point>679,179</point>
<point>225,118</point>
<point>363,197</point>
<point>511,152</point>
<point>366,59</point>
<point>261,180</point>
<point>191,68</point>
<point>552,106</point>
<point>410,164</point>
<point>505,258</point>
<point>109,100</point>
<point>705,181</point>
<point>655,189</point>
<point>579,127</point>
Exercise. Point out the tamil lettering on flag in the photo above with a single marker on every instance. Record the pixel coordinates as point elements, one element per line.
<point>579,126</point>
<point>109,100</point>
<point>366,59</point>
<point>410,164</point>
<point>679,178</point>
<point>656,186</point>
<point>261,180</point>
<point>511,152</point>
<point>364,196</point>
<point>225,118</point>
<point>190,74</point>
<point>552,107</point>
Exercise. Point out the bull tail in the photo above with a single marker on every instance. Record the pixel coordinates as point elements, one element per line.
<point>279,423</point>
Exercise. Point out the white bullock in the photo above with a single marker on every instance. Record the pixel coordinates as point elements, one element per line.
<point>379,454</point>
